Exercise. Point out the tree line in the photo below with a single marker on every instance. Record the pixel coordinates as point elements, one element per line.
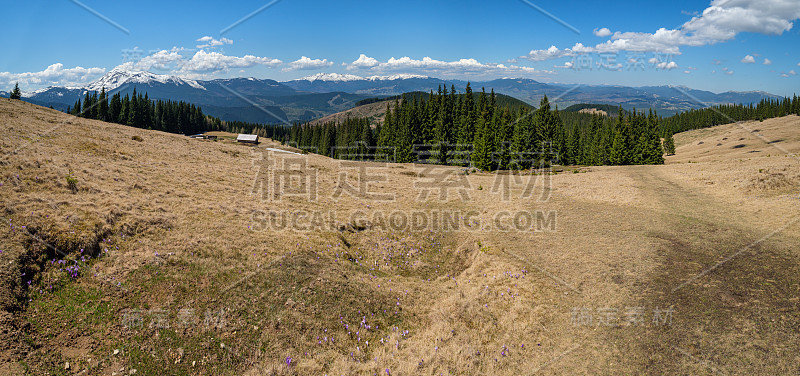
<point>138,110</point>
<point>723,114</point>
<point>466,130</point>
<point>451,128</point>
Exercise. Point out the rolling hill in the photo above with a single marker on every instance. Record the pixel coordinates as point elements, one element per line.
<point>125,250</point>
<point>375,108</point>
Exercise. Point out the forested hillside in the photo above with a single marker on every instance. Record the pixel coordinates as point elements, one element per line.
<point>716,115</point>
<point>139,111</point>
<point>476,130</point>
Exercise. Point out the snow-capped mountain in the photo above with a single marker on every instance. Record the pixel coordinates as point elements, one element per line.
<point>332,77</point>
<point>118,77</point>
<point>325,93</point>
<point>336,77</point>
<point>372,85</point>
<point>401,76</point>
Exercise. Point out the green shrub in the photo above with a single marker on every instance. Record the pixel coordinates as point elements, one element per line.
<point>72,182</point>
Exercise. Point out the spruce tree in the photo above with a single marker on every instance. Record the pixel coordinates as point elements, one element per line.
<point>386,136</point>
<point>114,108</point>
<point>403,139</point>
<point>16,93</point>
<point>620,146</point>
<point>365,142</point>
<point>669,145</point>
<point>522,141</point>
<point>102,109</point>
<point>560,140</point>
<point>441,131</point>
<point>484,141</point>
<point>654,154</point>
<point>124,110</point>
<point>544,131</point>
<point>481,154</point>
<point>76,109</point>
<point>571,155</point>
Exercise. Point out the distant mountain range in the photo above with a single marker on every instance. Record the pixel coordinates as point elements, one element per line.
<point>312,97</point>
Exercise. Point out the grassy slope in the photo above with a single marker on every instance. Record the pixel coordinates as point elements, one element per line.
<point>375,111</point>
<point>219,295</point>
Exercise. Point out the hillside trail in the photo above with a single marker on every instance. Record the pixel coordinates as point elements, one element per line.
<point>676,281</point>
<point>729,279</point>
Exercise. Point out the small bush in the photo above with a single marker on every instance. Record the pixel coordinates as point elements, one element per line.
<point>137,138</point>
<point>72,182</point>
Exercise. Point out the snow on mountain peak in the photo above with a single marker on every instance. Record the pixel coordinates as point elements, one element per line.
<point>401,76</point>
<point>120,76</point>
<point>336,77</point>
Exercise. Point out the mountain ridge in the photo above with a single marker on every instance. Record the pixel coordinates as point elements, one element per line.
<point>322,94</point>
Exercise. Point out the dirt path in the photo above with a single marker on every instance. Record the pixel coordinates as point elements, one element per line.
<point>674,281</point>
<point>731,287</point>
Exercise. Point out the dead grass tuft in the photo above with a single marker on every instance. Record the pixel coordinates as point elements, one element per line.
<point>768,180</point>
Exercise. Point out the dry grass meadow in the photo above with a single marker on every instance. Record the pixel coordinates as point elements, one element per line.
<point>127,251</point>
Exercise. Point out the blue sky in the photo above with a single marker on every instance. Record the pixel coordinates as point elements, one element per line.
<point>720,45</point>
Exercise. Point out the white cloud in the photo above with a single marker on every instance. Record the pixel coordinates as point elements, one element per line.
<point>363,61</point>
<point>767,61</point>
<point>725,18</point>
<point>202,64</point>
<point>603,32</point>
<point>160,60</point>
<point>554,53</point>
<point>211,62</point>
<point>730,72</point>
<point>792,72</point>
<point>784,75</point>
<point>567,65</point>
<point>748,59</point>
<point>687,72</point>
<point>211,42</point>
<point>667,65</point>
<point>53,75</point>
<point>305,63</point>
<point>720,22</point>
<point>428,65</point>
